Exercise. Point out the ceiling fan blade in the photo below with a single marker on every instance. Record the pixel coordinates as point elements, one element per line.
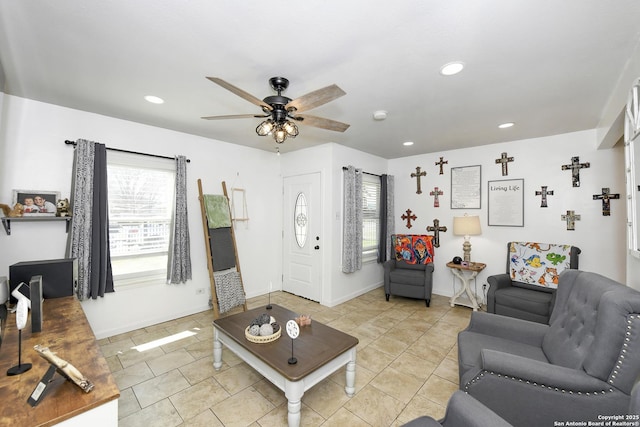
<point>316,98</point>
<point>235,116</point>
<point>321,122</point>
<point>241,93</point>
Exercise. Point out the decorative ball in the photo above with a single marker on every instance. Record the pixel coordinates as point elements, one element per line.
<point>266,330</point>
<point>254,330</point>
<point>275,326</point>
<point>457,260</point>
<point>264,318</point>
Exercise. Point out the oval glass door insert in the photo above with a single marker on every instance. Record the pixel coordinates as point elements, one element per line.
<point>300,220</point>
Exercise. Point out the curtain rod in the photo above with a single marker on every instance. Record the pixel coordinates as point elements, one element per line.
<point>130,152</point>
<point>344,168</point>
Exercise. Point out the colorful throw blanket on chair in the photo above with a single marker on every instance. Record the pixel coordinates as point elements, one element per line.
<point>538,264</point>
<point>413,248</point>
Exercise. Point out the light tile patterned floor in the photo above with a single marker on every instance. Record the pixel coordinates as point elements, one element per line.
<point>406,367</point>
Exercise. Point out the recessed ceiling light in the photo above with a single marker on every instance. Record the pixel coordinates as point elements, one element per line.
<point>451,68</point>
<point>506,125</point>
<point>408,143</point>
<point>154,99</point>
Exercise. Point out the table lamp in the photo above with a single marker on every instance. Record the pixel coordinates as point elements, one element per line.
<point>466,226</point>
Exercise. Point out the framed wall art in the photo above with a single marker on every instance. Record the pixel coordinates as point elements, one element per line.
<point>465,187</point>
<point>506,203</point>
<point>37,202</point>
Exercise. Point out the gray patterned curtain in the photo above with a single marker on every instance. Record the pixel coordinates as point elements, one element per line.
<point>179,263</point>
<point>89,237</point>
<point>352,221</point>
<point>387,222</point>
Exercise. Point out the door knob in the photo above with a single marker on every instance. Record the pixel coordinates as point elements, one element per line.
<point>316,247</point>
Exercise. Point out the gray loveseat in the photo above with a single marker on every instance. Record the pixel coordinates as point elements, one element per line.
<point>582,365</point>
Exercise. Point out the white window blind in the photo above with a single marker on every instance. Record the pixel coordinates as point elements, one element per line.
<point>140,213</point>
<point>370,216</point>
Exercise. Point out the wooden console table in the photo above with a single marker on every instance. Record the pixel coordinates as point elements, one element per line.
<point>66,331</point>
<point>466,274</point>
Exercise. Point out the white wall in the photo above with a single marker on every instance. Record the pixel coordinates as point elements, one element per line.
<point>328,159</point>
<point>34,156</point>
<point>538,161</point>
<point>610,129</point>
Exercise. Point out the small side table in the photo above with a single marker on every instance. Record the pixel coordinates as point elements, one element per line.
<point>466,275</point>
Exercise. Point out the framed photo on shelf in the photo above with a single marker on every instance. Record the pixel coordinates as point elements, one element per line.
<point>37,202</point>
<point>465,187</point>
<point>506,202</point>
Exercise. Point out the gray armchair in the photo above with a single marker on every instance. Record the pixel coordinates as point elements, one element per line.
<point>583,364</point>
<point>465,411</point>
<point>410,273</point>
<point>462,411</point>
<point>527,289</point>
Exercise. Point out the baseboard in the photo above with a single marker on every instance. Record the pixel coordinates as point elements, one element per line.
<point>148,322</point>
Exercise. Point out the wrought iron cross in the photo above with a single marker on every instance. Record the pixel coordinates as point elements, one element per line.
<point>436,232</point>
<point>441,163</point>
<point>605,197</point>
<point>575,167</point>
<point>409,216</point>
<point>436,192</point>
<point>418,174</point>
<point>504,160</point>
<point>571,219</point>
<point>544,193</point>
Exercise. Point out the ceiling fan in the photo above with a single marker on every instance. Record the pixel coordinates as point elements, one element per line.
<point>281,112</point>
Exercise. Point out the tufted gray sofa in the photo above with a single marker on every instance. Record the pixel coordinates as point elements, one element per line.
<point>582,365</point>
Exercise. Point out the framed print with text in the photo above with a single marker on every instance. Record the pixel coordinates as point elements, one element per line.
<point>506,202</point>
<point>465,187</point>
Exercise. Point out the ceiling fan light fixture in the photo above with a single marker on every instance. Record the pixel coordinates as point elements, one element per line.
<point>265,128</point>
<point>290,128</point>
<point>280,135</point>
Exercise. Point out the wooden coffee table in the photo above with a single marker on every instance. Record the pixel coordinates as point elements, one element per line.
<point>319,349</point>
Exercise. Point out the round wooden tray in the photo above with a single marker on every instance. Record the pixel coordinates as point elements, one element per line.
<point>258,339</point>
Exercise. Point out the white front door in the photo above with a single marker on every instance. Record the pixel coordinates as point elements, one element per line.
<point>302,245</point>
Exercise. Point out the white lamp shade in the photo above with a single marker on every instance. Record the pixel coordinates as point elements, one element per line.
<point>466,225</point>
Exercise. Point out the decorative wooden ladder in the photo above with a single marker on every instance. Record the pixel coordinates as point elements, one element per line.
<point>207,239</point>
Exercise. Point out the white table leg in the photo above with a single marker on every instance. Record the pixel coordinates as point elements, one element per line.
<point>465,288</point>
<point>350,387</point>
<point>294,391</point>
<point>217,351</point>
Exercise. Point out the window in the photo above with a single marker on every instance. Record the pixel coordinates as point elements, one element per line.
<point>141,199</point>
<point>370,216</point>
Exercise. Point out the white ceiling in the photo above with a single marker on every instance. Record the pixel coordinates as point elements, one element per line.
<point>547,65</point>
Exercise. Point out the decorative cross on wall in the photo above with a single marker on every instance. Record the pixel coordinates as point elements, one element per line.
<point>575,167</point>
<point>436,232</point>
<point>504,160</point>
<point>436,192</point>
<point>605,197</point>
<point>409,216</point>
<point>544,193</point>
<point>440,163</point>
<point>571,219</point>
<point>418,174</point>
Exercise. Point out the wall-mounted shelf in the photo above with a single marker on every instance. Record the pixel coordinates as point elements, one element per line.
<point>6,222</point>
